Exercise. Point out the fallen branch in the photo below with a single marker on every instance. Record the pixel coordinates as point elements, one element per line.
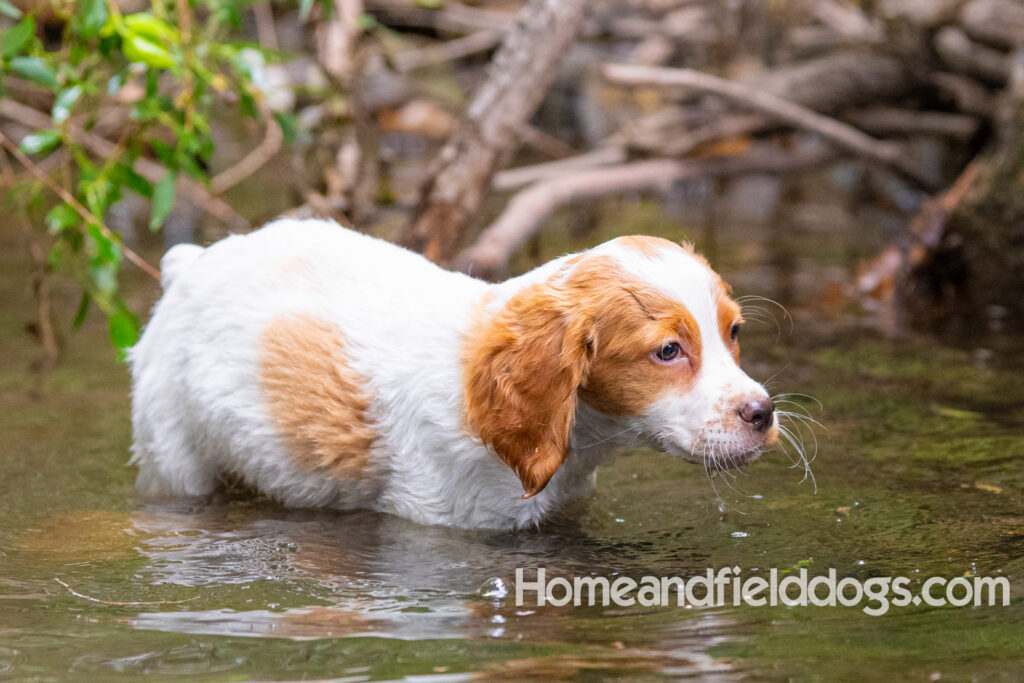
<point>69,199</point>
<point>455,17</point>
<point>517,78</point>
<point>545,143</point>
<point>840,134</point>
<point>878,276</point>
<point>528,209</point>
<point>512,178</point>
<point>966,56</point>
<point>890,120</point>
<point>412,60</point>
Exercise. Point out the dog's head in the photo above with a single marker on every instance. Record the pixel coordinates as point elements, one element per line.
<point>638,328</point>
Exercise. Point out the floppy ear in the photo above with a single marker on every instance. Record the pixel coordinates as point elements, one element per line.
<point>523,368</point>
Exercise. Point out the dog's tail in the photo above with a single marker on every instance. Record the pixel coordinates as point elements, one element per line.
<point>176,261</point>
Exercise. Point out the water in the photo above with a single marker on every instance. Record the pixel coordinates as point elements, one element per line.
<point>918,474</point>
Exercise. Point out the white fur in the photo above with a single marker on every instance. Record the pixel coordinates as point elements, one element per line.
<point>197,409</point>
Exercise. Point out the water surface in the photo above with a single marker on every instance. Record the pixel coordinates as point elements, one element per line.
<point>918,474</point>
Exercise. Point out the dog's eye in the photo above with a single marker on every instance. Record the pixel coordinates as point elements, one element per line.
<point>669,351</point>
<point>734,332</point>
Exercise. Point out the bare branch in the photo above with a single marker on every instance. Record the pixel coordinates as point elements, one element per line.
<point>524,175</point>
<point>527,210</point>
<point>481,41</point>
<point>518,75</point>
<point>838,133</point>
<point>252,161</point>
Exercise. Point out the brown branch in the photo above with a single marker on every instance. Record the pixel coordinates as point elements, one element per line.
<point>544,142</point>
<point>517,78</point>
<point>924,233</point>
<point>481,41</point>
<point>840,134</point>
<point>70,200</point>
<point>148,169</point>
<point>511,178</point>
<point>528,209</point>
<point>882,120</point>
<point>455,17</point>
<point>254,160</point>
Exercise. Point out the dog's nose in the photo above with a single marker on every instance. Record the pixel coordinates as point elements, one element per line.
<point>758,413</point>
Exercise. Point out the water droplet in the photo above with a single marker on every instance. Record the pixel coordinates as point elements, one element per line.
<point>860,561</point>
<point>739,534</point>
<point>498,619</point>
<point>620,520</point>
<point>493,588</point>
<point>758,496</point>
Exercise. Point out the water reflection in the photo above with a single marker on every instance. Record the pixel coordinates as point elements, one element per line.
<point>366,574</point>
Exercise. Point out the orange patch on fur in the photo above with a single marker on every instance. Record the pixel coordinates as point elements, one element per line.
<point>315,399</point>
<point>728,315</point>
<point>588,333</point>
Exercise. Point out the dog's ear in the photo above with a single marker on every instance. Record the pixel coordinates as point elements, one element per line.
<point>523,367</point>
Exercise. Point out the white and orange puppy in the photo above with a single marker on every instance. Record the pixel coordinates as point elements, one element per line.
<point>327,368</point>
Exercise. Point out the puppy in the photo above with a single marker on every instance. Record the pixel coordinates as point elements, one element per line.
<point>327,368</point>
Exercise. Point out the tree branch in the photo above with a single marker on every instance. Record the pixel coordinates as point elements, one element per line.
<point>150,170</point>
<point>840,134</point>
<point>69,199</point>
<point>528,209</point>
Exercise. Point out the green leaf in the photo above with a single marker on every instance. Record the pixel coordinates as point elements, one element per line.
<point>90,17</point>
<point>163,200</point>
<point>146,25</point>
<point>124,174</point>
<point>65,102</point>
<point>35,69</point>
<point>60,218</point>
<point>289,126</point>
<point>17,37</point>
<point>124,330</point>
<point>83,310</point>
<point>141,49</point>
<point>36,143</point>
<point>429,4</point>
<point>10,10</point>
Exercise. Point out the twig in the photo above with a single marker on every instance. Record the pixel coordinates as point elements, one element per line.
<point>252,161</point>
<point>512,178</point>
<point>148,169</point>
<point>883,120</point>
<point>838,133</point>
<point>455,17</point>
<point>70,200</point>
<point>130,603</point>
<point>924,233</point>
<point>544,142</point>
<point>449,51</point>
<point>527,210</point>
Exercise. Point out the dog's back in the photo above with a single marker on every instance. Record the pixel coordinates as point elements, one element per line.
<point>201,370</point>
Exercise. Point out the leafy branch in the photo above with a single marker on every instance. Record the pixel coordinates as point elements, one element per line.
<point>155,77</point>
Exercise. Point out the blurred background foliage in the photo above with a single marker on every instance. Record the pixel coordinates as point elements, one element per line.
<point>492,134</point>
